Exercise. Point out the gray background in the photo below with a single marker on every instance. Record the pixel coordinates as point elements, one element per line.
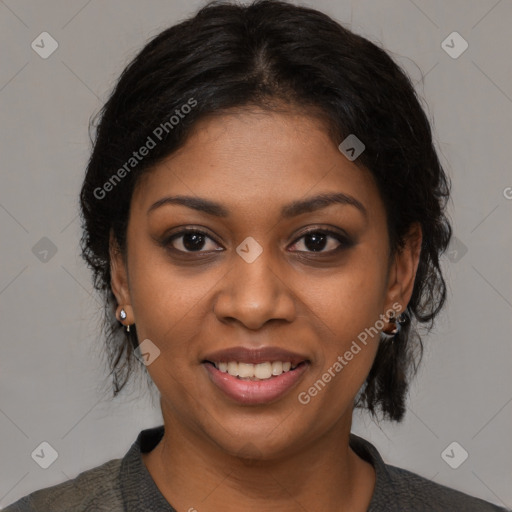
<point>51,364</point>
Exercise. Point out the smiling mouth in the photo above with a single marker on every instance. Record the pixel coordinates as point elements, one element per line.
<point>255,372</point>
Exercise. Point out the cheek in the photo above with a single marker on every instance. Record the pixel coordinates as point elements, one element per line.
<point>161,293</point>
<point>159,301</point>
<point>345,353</point>
<point>349,303</point>
<point>351,297</point>
<point>166,307</point>
<point>171,307</point>
<point>349,347</point>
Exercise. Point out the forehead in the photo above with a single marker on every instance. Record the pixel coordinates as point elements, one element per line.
<point>257,160</point>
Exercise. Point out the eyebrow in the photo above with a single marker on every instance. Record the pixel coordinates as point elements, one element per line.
<point>292,209</point>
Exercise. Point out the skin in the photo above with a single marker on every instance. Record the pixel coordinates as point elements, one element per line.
<point>283,456</point>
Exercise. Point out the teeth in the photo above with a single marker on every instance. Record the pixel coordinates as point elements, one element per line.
<point>233,368</point>
<point>245,370</point>
<point>277,368</point>
<point>259,371</point>
<point>262,370</point>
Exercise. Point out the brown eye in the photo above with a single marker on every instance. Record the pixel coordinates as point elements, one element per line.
<point>189,241</point>
<point>318,240</point>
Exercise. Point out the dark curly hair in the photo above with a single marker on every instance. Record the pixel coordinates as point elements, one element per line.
<point>266,54</point>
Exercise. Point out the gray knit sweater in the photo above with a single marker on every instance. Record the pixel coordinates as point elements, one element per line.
<point>125,485</point>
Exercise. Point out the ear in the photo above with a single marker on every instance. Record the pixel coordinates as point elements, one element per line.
<point>119,277</point>
<point>403,268</point>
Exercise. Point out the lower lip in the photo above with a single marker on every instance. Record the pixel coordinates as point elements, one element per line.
<point>250,392</point>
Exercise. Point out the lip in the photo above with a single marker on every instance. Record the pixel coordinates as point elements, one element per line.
<point>246,392</point>
<point>254,356</point>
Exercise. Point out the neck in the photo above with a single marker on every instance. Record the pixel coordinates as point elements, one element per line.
<point>193,473</point>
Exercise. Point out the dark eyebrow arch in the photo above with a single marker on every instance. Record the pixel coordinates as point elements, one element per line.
<point>321,201</point>
<point>290,210</point>
<point>195,203</point>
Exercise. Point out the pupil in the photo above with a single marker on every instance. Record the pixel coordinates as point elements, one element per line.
<point>193,241</point>
<point>318,241</point>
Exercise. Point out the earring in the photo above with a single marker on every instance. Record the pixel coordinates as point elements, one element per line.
<point>123,315</point>
<point>397,325</point>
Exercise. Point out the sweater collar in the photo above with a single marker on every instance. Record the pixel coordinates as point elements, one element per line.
<point>140,493</point>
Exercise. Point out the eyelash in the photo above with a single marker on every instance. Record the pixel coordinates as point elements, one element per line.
<point>344,241</point>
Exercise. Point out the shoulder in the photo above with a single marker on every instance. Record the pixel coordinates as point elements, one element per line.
<point>420,493</point>
<point>97,489</point>
<point>399,489</point>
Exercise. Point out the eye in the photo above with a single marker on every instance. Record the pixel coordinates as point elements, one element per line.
<point>316,240</point>
<point>189,240</point>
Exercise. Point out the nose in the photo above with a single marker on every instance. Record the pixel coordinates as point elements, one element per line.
<point>255,293</point>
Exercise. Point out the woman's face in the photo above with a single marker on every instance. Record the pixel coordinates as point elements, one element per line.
<point>257,284</point>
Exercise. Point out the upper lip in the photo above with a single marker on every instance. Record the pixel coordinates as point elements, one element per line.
<point>254,355</point>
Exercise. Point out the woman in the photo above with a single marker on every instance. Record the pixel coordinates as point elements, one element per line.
<point>263,212</point>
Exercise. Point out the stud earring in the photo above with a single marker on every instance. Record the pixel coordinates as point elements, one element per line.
<point>123,315</point>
